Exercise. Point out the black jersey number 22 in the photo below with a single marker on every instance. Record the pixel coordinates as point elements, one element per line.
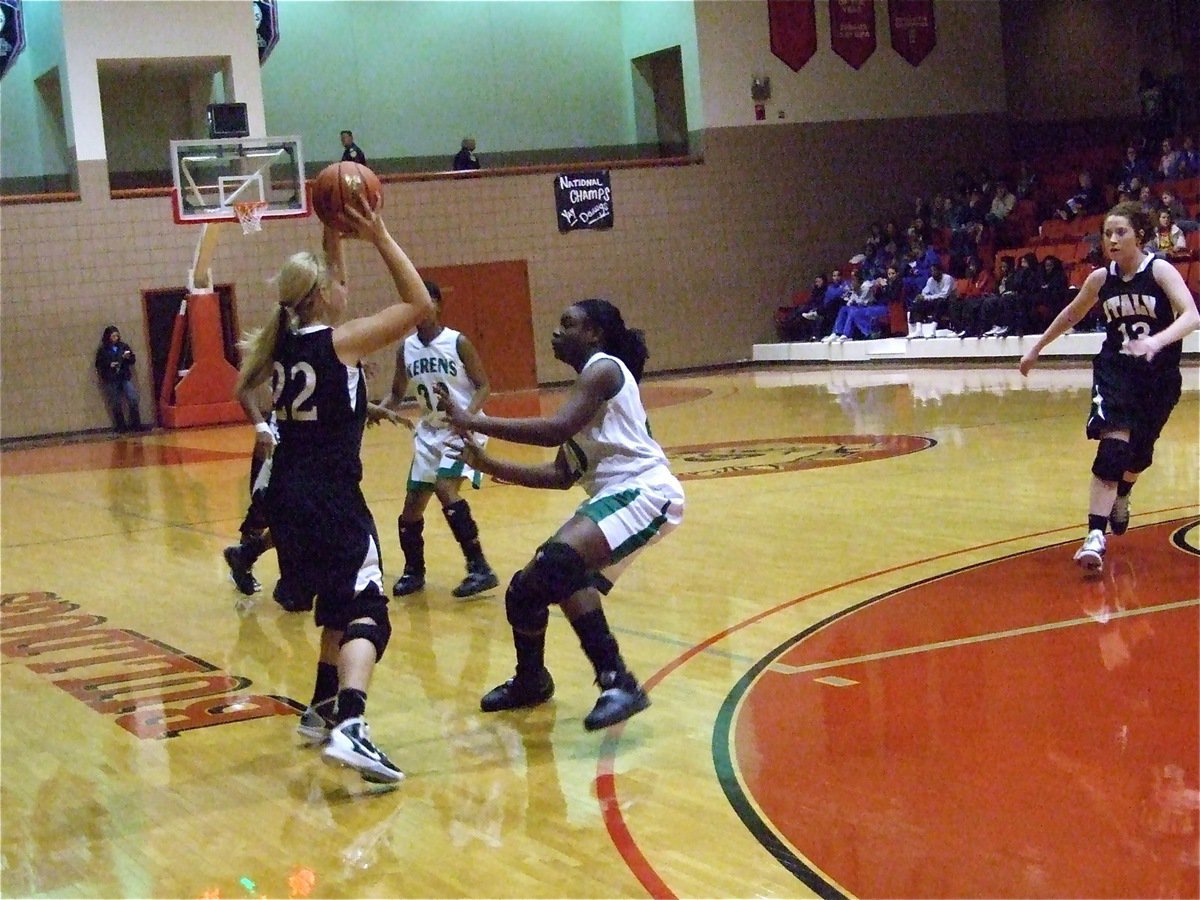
<point>303,408</point>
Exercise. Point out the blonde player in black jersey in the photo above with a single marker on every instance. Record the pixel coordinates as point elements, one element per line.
<point>1135,376</point>
<point>436,355</point>
<point>323,530</point>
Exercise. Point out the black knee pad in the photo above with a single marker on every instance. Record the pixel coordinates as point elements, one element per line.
<point>1112,459</point>
<point>461,522</point>
<point>558,571</point>
<point>1141,454</point>
<point>524,611</point>
<point>378,631</point>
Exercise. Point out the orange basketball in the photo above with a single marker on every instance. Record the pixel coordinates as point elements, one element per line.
<point>336,185</point>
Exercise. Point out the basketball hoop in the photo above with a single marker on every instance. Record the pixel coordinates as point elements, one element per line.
<point>250,214</point>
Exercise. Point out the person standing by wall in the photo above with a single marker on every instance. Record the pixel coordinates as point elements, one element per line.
<point>114,363</point>
<point>351,152</point>
<point>466,160</point>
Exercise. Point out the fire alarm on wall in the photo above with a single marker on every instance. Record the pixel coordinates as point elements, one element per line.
<point>760,88</point>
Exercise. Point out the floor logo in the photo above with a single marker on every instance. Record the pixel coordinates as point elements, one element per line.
<point>788,454</point>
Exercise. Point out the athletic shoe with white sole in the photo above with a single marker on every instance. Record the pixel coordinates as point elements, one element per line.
<point>620,697</point>
<point>1091,555</point>
<point>350,745</point>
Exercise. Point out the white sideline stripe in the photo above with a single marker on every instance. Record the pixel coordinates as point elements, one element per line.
<point>784,669</point>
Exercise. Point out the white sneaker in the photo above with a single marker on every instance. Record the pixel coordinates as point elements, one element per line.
<point>829,339</point>
<point>841,338</point>
<point>350,745</point>
<point>1091,555</point>
<point>1118,519</point>
<point>1002,332</point>
<point>811,315</point>
<point>914,330</point>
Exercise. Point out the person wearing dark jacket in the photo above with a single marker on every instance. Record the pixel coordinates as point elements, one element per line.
<point>466,160</point>
<point>114,363</point>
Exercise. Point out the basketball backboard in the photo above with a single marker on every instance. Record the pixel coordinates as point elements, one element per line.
<point>212,175</point>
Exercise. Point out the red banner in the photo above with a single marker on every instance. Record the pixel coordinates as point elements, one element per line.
<point>852,30</point>
<point>914,32</point>
<point>793,30</point>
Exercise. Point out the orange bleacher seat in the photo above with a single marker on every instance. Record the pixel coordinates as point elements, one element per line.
<point>1192,238</point>
<point>1192,280</point>
<point>1059,250</point>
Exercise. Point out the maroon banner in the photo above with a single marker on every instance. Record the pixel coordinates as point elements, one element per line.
<point>793,30</point>
<point>852,30</point>
<point>914,32</point>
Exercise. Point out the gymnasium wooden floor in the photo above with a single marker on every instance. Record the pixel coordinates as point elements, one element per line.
<point>875,670</point>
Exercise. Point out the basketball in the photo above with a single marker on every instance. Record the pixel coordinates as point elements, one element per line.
<point>336,185</point>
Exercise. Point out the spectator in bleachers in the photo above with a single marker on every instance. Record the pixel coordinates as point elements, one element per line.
<point>1133,166</point>
<point>1086,201</point>
<point>1191,158</point>
<point>802,320</point>
<point>1167,239</point>
<point>1153,103</point>
<point>1170,163</point>
<point>831,305</point>
<point>985,181</point>
<point>1051,294</point>
<point>930,304</point>
<point>918,265</point>
<point>860,313</point>
<point>1179,215</point>
<point>890,289</point>
<point>1027,181</point>
<point>1003,201</point>
<point>1025,282</point>
<point>995,312</point>
<point>977,283</point>
<point>893,240</point>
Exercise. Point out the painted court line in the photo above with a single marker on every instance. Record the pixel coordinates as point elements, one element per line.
<point>784,669</point>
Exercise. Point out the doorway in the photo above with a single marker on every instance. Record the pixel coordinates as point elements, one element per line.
<point>659,104</point>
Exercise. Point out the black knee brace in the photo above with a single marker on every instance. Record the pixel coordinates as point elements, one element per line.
<point>1141,454</point>
<point>378,631</point>
<point>558,571</point>
<point>461,522</point>
<point>1112,459</point>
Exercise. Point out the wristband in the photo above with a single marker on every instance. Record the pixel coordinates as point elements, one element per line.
<point>263,427</point>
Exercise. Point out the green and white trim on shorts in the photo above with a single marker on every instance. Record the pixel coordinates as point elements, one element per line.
<point>432,460</point>
<point>633,518</point>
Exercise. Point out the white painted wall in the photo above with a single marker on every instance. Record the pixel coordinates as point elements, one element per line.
<point>121,29</point>
<point>963,74</point>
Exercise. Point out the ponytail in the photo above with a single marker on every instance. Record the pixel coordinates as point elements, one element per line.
<point>301,278</point>
<point>626,344</point>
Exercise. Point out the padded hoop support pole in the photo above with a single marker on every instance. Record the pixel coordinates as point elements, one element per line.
<point>205,393</point>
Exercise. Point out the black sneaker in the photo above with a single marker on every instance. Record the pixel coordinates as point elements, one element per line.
<point>408,583</point>
<point>477,581</point>
<point>1118,519</point>
<point>350,745</point>
<point>242,577</point>
<point>517,693</point>
<point>290,597</point>
<point>620,697</point>
<point>316,722</point>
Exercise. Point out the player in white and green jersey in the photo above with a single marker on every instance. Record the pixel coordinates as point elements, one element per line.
<point>435,356</point>
<point>633,500</point>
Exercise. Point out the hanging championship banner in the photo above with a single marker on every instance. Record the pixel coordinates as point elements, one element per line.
<point>914,33</point>
<point>793,26</point>
<point>852,30</point>
<point>583,200</point>
<point>12,34</point>
<point>266,24</point>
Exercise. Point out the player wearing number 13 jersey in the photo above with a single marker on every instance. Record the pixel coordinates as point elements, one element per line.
<point>436,355</point>
<point>1135,376</point>
<point>323,531</point>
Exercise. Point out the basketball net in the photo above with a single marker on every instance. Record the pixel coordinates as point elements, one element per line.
<point>250,214</point>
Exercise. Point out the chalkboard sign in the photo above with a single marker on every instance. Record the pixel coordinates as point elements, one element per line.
<point>583,200</point>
